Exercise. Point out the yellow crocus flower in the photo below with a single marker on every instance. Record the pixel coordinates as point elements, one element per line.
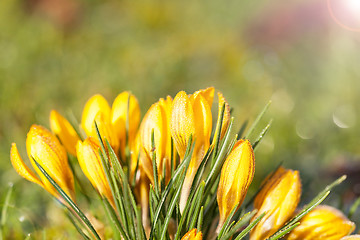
<point>323,222</point>
<point>125,105</point>
<point>90,163</point>
<point>191,115</point>
<point>46,149</point>
<point>61,127</point>
<point>98,110</point>
<point>157,120</point>
<point>279,198</point>
<point>236,176</point>
<point>193,234</point>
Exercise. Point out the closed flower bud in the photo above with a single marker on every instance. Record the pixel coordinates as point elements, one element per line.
<point>61,127</point>
<point>236,175</point>
<point>98,110</point>
<point>125,106</point>
<point>279,198</point>
<point>46,149</point>
<point>323,222</point>
<point>90,163</point>
<point>193,234</point>
<point>157,120</point>
<point>191,115</point>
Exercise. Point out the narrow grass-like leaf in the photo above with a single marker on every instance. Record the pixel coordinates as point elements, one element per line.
<point>196,205</point>
<point>242,129</point>
<point>249,227</point>
<point>261,135</point>
<point>171,208</point>
<point>154,165</point>
<point>200,219</point>
<point>6,205</point>
<point>217,135</point>
<point>114,218</point>
<point>214,172</point>
<point>257,120</point>
<point>354,207</point>
<point>227,222</point>
<point>73,221</point>
<point>68,200</point>
<point>179,172</point>
<point>240,223</point>
<point>285,231</point>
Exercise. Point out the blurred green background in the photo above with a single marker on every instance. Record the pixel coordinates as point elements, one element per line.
<point>55,54</point>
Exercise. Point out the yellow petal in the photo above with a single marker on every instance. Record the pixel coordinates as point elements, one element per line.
<point>226,118</point>
<point>64,131</point>
<point>278,198</point>
<point>46,149</point>
<point>236,175</point>
<point>166,104</point>
<point>323,223</point>
<point>106,131</point>
<point>193,234</point>
<point>182,123</point>
<point>93,106</point>
<point>123,105</point>
<point>90,163</point>
<point>207,93</point>
<point>203,127</point>
<point>155,120</point>
<point>21,167</point>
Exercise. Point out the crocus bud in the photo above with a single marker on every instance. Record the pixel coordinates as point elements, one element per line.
<point>90,163</point>
<point>351,237</point>
<point>236,175</point>
<point>125,106</point>
<point>279,198</point>
<point>191,116</point>
<point>193,234</point>
<point>46,149</point>
<point>98,110</point>
<point>61,127</point>
<point>323,222</point>
<point>157,120</point>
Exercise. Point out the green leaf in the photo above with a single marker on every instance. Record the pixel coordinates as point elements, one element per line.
<point>262,134</point>
<point>354,207</point>
<point>68,200</point>
<point>257,120</point>
<point>240,223</point>
<point>285,231</point>
<point>249,227</point>
<point>227,222</point>
<point>180,172</point>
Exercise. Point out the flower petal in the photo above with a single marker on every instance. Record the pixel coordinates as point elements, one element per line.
<point>21,168</point>
<point>64,131</point>
<point>46,149</point>
<point>93,106</point>
<point>125,104</point>
<point>182,123</point>
<point>90,163</point>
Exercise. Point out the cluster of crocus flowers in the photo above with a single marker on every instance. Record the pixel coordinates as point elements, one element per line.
<point>170,127</point>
